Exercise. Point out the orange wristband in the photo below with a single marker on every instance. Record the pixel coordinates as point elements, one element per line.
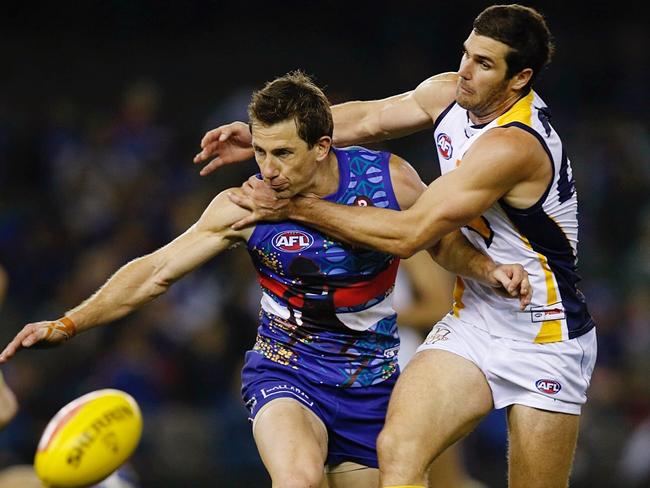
<point>69,326</point>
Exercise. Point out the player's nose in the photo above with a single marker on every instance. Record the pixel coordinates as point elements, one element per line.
<point>464,70</point>
<point>269,169</point>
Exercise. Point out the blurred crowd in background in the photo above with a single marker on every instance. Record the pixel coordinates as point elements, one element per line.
<point>102,108</point>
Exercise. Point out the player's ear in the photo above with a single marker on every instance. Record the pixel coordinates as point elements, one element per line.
<point>521,79</point>
<point>322,147</point>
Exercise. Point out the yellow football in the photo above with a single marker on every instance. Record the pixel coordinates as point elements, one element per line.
<point>88,439</point>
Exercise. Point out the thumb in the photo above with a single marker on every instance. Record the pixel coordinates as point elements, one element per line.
<point>501,278</point>
<point>36,336</point>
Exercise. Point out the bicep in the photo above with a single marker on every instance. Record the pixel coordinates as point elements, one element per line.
<point>455,199</point>
<point>187,252</point>
<point>209,236</point>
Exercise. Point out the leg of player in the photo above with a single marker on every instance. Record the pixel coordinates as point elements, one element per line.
<point>438,399</point>
<point>447,470</point>
<point>292,442</point>
<point>541,447</point>
<point>352,475</point>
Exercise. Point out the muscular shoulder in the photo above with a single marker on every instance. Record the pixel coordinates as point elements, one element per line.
<point>435,94</point>
<point>407,184</point>
<point>220,214</point>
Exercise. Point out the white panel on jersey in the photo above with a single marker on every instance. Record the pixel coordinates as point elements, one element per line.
<point>364,319</point>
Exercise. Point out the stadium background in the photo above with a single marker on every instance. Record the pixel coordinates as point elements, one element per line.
<point>102,106</point>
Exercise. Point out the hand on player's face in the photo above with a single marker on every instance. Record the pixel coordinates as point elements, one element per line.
<point>261,200</point>
<point>39,334</point>
<point>511,280</point>
<point>226,144</point>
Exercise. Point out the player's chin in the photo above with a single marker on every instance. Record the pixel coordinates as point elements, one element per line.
<point>464,101</point>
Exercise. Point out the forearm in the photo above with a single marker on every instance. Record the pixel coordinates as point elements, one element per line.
<point>394,232</point>
<point>457,255</point>
<point>353,124</point>
<point>132,286</point>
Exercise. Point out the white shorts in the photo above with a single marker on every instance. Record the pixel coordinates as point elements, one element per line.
<point>552,376</point>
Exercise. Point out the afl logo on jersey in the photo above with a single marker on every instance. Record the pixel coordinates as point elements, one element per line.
<point>550,387</point>
<point>444,145</point>
<point>292,241</point>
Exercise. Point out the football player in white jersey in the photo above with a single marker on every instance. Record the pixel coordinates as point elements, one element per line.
<point>508,184</point>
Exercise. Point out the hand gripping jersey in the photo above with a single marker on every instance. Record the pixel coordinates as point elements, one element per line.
<point>542,238</point>
<point>326,307</point>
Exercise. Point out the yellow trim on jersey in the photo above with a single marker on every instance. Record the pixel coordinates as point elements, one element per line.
<point>522,111</point>
<point>551,330</point>
<point>459,289</point>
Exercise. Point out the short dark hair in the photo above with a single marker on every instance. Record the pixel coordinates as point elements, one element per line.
<point>524,30</point>
<point>294,96</point>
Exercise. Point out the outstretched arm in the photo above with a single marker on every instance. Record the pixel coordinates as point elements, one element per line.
<point>143,279</point>
<point>354,122</point>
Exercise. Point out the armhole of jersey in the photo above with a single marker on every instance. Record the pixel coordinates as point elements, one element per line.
<point>390,191</point>
<point>538,204</point>
<point>343,162</point>
<point>253,237</point>
<point>442,115</point>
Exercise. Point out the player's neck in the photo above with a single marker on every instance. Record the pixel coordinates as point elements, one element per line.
<point>499,109</point>
<point>326,178</point>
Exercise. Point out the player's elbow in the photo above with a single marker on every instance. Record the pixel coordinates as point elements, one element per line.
<point>159,284</point>
<point>405,247</point>
<point>158,281</point>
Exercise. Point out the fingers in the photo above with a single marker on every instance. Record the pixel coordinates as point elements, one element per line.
<point>525,292</point>
<point>25,338</point>
<point>245,222</point>
<point>241,200</point>
<point>205,153</point>
<point>514,280</point>
<point>255,182</point>
<point>209,148</point>
<point>516,273</point>
<point>215,136</point>
<point>520,286</point>
<point>211,166</point>
<point>502,276</point>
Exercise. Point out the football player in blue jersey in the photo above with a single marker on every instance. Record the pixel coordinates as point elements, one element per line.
<point>318,379</point>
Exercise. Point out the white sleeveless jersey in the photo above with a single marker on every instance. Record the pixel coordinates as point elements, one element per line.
<point>542,238</point>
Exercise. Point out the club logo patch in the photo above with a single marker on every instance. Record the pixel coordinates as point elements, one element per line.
<point>438,333</point>
<point>292,241</point>
<point>444,145</point>
<point>550,387</point>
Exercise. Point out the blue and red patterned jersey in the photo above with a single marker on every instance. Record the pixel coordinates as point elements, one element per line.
<point>326,307</point>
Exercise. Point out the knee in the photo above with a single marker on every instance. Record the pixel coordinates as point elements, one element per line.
<point>401,455</point>
<point>393,448</point>
<point>305,477</point>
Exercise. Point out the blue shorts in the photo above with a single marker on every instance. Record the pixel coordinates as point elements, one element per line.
<point>353,417</point>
